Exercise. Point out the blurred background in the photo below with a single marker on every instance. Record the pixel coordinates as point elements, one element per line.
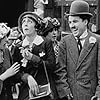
<point>11,9</point>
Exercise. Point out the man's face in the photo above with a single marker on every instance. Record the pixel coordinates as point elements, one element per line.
<point>77,25</point>
<point>28,26</point>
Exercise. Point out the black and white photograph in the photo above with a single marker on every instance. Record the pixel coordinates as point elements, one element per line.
<point>50,50</point>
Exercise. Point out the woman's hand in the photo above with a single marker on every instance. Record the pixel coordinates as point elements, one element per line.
<point>33,85</point>
<point>27,54</point>
<point>11,71</point>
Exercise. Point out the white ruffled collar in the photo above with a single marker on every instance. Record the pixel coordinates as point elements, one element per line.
<point>37,41</point>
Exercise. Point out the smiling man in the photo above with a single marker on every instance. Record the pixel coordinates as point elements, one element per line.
<point>78,67</point>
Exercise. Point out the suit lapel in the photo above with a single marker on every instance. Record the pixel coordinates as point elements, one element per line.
<point>73,50</point>
<point>85,51</point>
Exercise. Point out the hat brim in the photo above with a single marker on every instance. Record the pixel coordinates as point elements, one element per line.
<point>24,14</point>
<point>49,28</point>
<point>77,14</point>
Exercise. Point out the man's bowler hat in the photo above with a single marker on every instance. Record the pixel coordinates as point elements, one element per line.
<point>79,7</point>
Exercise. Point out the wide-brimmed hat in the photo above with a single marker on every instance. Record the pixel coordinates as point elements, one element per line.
<point>79,7</point>
<point>29,14</point>
<point>46,26</point>
<point>49,27</point>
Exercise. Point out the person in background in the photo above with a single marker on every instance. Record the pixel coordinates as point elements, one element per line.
<point>47,27</point>
<point>56,36</point>
<point>15,38</point>
<point>33,51</point>
<point>93,28</point>
<point>53,32</point>
<point>78,70</point>
<point>7,69</point>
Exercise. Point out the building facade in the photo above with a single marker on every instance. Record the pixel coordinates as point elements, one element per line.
<point>11,9</point>
<point>59,7</point>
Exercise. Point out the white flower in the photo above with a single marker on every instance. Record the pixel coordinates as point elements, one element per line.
<point>41,54</point>
<point>24,62</point>
<point>92,39</point>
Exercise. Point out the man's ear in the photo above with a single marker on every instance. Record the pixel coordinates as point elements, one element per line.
<point>86,22</point>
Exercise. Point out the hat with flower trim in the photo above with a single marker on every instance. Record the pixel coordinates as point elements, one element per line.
<point>31,15</point>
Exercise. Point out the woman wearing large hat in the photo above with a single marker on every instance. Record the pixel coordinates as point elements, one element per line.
<point>79,57</point>
<point>34,50</point>
<point>52,30</point>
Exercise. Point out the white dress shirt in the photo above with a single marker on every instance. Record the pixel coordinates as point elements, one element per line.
<point>83,37</point>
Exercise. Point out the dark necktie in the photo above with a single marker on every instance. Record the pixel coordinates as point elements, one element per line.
<point>79,45</point>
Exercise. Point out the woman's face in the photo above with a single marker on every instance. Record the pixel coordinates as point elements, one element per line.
<point>28,26</point>
<point>53,35</point>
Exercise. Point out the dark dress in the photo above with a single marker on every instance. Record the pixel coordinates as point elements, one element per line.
<point>36,69</point>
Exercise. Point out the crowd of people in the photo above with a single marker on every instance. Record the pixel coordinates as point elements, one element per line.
<point>34,55</point>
